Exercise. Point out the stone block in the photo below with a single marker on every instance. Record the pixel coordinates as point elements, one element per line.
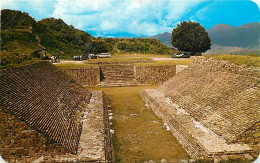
<point>248,157</point>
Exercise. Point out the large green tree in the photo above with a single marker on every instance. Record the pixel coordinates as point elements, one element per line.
<point>191,37</point>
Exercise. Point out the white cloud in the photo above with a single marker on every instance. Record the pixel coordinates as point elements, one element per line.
<point>137,17</point>
<point>257,2</point>
<point>5,2</point>
<point>108,17</point>
<point>36,8</point>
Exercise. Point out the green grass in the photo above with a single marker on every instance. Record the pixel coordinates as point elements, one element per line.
<point>139,134</point>
<point>122,55</point>
<point>136,62</point>
<point>74,65</point>
<point>14,64</point>
<point>248,60</point>
<point>167,62</point>
<point>119,60</point>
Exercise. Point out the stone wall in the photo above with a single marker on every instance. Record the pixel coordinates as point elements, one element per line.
<point>251,136</point>
<point>109,152</point>
<point>95,143</point>
<point>47,99</point>
<point>180,68</point>
<point>86,76</point>
<point>123,74</point>
<point>222,96</point>
<point>154,74</point>
<point>117,75</point>
<point>21,143</point>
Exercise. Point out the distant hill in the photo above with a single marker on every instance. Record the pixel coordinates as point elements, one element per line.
<point>164,38</point>
<point>245,36</point>
<point>227,38</point>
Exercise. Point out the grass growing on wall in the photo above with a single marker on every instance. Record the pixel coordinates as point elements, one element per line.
<point>248,60</point>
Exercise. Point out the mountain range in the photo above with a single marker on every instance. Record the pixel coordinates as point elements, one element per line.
<point>226,38</point>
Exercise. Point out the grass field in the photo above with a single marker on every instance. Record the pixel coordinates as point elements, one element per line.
<point>122,60</point>
<point>123,55</point>
<point>135,61</point>
<point>247,60</point>
<point>167,62</point>
<point>139,133</point>
<point>69,65</point>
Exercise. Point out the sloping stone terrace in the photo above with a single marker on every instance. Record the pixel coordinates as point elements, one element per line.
<point>47,99</point>
<point>222,96</point>
<point>21,143</point>
<point>199,141</point>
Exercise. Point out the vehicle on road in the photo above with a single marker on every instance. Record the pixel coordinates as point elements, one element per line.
<point>181,55</point>
<point>104,55</point>
<point>77,58</point>
<point>84,56</point>
<point>92,56</point>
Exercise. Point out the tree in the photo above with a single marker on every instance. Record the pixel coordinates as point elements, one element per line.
<point>99,46</point>
<point>191,37</point>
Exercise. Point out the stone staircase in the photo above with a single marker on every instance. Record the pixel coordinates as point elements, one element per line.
<point>117,75</point>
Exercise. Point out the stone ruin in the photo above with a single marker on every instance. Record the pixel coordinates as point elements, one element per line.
<point>47,116</point>
<point>123,75</point>
<point>212,108</point>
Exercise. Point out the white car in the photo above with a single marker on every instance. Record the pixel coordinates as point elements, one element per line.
<point>104,55</point>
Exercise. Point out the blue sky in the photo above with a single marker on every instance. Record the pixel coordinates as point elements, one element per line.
<point>138,18</point>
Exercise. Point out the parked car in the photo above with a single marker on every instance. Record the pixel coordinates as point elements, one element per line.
<point>76,58</point>
<point>104,55</point>
<point>181,55</point>
<point>84,56</point>
<point>92,56</point>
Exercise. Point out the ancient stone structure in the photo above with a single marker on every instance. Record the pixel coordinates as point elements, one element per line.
<point>154,74</point>
<point>180,68</point>
<point>212,108</point>
<point>96,139</point>
<point>123,74</point>
<point>44,114</point>
<point>117,75</point>
<point>86,76</point>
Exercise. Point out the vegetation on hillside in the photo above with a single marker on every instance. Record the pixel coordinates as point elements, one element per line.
<point>11,20</point>
<point>17,39</point>
<point>22,35</point>
<point>137,45</point>
<point>191,37</point>
<point>61,39</point>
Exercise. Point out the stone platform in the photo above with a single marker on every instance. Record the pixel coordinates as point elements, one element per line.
<point>199,141</point>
